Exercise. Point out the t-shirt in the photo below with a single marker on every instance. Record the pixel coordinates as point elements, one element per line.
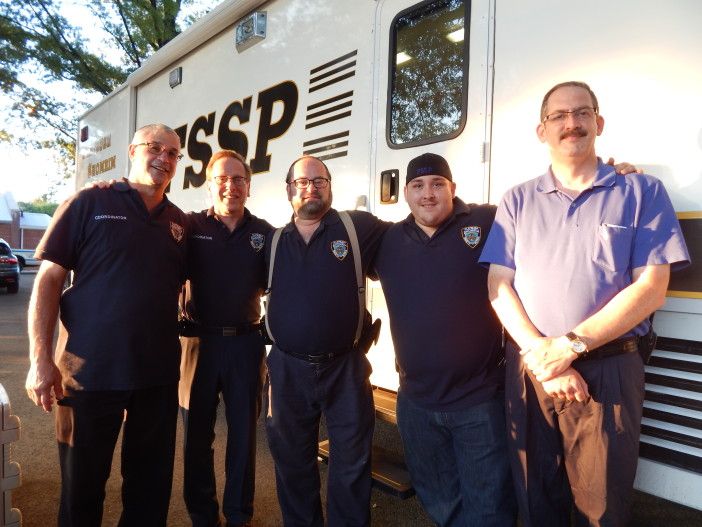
<point>119,316</point>
<point>447,337</point>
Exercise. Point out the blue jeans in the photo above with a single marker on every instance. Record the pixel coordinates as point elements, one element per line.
<point>458,462</point>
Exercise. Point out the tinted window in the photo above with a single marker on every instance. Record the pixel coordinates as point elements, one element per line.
<point>4,250</point>
<point>429,73</point>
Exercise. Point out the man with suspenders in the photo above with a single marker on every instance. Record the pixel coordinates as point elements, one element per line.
<point>316,364</point>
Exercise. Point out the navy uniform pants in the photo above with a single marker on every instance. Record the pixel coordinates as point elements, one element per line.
<point>299,393</point>
<point>567,454</point>
<point>87,427</point>
<point>234,368</point>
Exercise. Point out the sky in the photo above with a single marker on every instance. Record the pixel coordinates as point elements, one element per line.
<point>28,175</point>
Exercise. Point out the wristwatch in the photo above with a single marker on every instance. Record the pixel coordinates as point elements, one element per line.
<point>577,346</point>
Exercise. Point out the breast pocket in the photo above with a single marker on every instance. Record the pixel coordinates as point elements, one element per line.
<point>612,248</point>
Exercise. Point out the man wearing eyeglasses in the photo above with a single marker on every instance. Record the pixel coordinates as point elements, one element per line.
<point>579,258</point>
<point>313,366</point>
<point>223,350</point>
<point>117,358</point>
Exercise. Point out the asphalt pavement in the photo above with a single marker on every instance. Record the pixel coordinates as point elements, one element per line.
<point>36,451</point>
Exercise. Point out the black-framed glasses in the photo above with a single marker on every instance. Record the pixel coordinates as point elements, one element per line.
<point>579,114</point>
<point>303,182</point>
<point>157,149</point>
<point>238,181</point>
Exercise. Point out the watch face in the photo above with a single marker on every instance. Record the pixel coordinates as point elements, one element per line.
<point>578,346</point>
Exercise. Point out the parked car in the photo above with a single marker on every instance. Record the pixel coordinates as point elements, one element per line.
<point>9,268</point>
<point>25,257</point>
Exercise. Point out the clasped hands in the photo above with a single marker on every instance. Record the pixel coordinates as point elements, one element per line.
<point>549,359</point>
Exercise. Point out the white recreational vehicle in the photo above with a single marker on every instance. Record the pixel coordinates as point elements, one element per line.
<point>367,85</point>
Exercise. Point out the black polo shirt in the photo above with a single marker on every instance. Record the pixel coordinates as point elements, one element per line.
<point>226,270</point>
<point>119,317</point>
<point>314,301</point>
<point>446,335</point>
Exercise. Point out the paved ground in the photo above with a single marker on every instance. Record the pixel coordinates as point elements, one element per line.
<point>36,452</point>
<point>37,497</point>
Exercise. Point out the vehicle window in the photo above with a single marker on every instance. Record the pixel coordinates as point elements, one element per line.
<point>428,77</point>
<point>4,250</point>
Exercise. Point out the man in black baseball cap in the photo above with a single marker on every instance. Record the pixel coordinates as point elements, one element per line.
<point>450,409</point>
<point>428,164</point>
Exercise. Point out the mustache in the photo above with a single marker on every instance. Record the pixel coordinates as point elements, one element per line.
<point>575,132</point>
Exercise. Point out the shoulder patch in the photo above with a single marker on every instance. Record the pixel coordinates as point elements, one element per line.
<point>471,235</point>
<point>257,241</point>
<point>340,248</point>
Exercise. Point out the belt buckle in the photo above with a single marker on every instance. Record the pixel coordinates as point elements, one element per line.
<point>320,359</point>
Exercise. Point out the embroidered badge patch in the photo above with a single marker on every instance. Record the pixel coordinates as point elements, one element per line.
<point>257,240</point>
<point>340,248</point>
<point>471,235</point>
<point>177,231</point>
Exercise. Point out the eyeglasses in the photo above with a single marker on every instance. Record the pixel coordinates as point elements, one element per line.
<point>238,181</point>
<point>303,182</point>
<point>579,114</point>
<point>157,149</point>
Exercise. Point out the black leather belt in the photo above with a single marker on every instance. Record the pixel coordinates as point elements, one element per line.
<point>317,359</point>
<point>229,331</point>
<point>615,347</point>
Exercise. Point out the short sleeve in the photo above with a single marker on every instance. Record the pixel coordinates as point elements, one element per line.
<point>658,238</point>
<point>500,245</point>
<point>370,231</point>
<point>62,238</point>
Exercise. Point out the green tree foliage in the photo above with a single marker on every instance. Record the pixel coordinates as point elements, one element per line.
<point>43,204</point>
<point>427,91</point>
<point>139,27</point>
<point>41,50</point>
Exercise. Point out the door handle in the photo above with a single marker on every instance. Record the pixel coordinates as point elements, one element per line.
<point>389,186</point>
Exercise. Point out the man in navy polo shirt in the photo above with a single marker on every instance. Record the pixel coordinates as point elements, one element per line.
<point>117,356</point>
<point>224,351</point>
<point>580,258</point>
<point>448,345</point>
<point>313,367</point>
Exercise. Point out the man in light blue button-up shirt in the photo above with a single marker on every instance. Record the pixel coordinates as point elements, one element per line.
<point>579,258</point>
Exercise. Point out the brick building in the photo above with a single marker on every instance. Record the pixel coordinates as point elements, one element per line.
<point>22,230</point>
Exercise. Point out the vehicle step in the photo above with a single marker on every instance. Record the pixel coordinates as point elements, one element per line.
<point>388,471</point>
<point>385,402</point>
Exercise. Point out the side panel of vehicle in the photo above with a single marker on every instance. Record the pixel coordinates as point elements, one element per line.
<point>301,89</point>
<point>103,136</point>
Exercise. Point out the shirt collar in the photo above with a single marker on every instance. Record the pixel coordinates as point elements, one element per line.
<point>330,218</point>
<point>244,218</point>
<point>124,186</point>
<point>605,177</point>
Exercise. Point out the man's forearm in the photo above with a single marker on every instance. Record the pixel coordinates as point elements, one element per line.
<point>509,307</point>
<point>44,310</point>
<point>628,308</point>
